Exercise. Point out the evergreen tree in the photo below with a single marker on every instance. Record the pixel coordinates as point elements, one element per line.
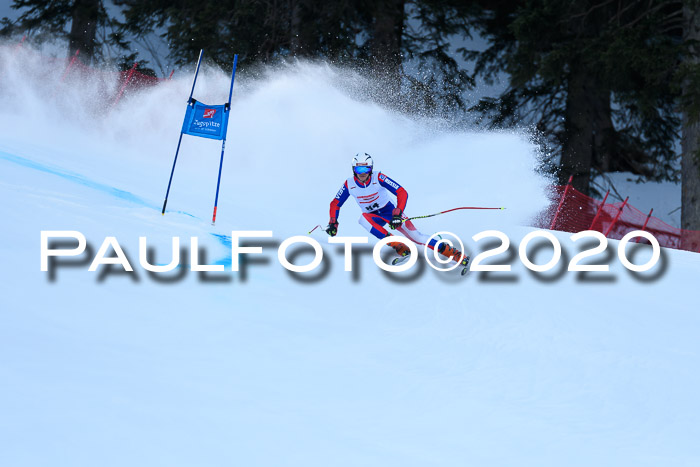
<point>259,31</point>
<point>690,77</point>
<point>439,86</point>
<point>375,37</point>
<point>594,77</point>
<point>49,19</point>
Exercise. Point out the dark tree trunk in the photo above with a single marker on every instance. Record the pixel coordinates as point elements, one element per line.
<point>83,30</point>
<point>577,150</point>
<point>690,162</point>
<point>386,38</point>
<point>589,130</point>
<point>603,130</point>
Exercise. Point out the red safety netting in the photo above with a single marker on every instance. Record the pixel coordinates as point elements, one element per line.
<point>572,211</point>
<point>126,81</point>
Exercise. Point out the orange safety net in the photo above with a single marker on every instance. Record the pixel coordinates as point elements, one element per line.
<point>572,211</point>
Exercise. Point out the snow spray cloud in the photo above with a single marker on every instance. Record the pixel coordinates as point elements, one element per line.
<point>292,132</point>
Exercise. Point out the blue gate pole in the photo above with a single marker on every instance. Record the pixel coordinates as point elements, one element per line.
<point>227,108</point>
<point>171,174</point>
<point>167,192</point>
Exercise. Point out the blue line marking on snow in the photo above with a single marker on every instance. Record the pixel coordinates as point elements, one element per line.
<point>76,178</point>
<point>81,180</point>
<point>225,240</point>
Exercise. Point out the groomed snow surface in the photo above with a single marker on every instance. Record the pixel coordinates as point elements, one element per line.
<point>270,368</point>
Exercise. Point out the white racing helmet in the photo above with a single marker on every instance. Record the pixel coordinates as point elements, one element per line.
<point>362,163</point>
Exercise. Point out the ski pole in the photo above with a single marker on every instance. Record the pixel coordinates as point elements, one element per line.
<point>319,225</point>
<point>420,217</point>
<point>443,212</point>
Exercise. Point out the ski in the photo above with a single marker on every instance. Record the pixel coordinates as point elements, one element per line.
<point>465,265</point>
<point>399,260</point>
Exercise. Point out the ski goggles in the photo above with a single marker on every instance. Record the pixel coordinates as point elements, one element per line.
<point>362,169</point>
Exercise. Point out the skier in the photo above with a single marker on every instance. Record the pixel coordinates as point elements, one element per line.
<point>371,191</point>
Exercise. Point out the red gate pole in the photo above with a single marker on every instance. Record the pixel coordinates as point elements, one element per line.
<point>597,213</point>
<point>70,65</point>
<point>126,82</point>
<point>171,75</point>
<point>561,202</point>
<point>619,212</point>
<point>644,227</point>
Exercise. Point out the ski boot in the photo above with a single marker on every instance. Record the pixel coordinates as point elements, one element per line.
<point>402,250</point>
<point>456,255</point>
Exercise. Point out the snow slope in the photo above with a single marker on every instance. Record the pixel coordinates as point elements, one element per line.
<point>345,368</point>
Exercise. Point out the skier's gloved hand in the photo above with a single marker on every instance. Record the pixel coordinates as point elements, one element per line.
<point>332,228</point>
<point>396,221</point>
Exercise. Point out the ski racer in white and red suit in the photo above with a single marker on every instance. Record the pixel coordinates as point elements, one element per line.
<point>372,192</point>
